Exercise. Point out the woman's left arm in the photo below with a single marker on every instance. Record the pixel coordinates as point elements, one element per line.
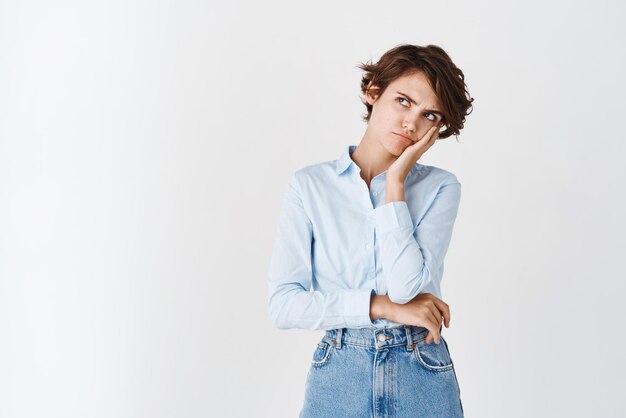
<point>411,256</point>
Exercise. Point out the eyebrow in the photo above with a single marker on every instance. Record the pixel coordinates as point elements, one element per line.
<point>435,111</point>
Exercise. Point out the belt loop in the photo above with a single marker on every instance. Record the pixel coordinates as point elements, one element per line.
<point>338,339</point>
<point>409,338</point>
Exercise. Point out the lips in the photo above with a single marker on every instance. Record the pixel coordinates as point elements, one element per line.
<point>404,137</point>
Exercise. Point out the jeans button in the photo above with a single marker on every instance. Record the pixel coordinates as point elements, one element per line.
<point>381,337</point>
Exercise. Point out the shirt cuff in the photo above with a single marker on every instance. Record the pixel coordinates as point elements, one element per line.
<point>357,305</point>
<point>392,215</point>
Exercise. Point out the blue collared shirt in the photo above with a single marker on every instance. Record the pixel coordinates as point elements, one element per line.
<point>338,243</point>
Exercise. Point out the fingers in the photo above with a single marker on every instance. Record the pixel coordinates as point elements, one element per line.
<point>434,316</point>
<point>433,325</point>
<point>439,309</point>
<point>424,143</point>
<point>431,312</point>
<point>428,140</point>
<point>433,136</point>
<point>428,136</point>
<point>444,309</point>
<point>433,333</point>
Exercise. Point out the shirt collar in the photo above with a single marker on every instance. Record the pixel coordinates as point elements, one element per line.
<point>345,160</point>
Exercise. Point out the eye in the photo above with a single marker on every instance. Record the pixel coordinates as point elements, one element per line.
<point>434,119</point>
<point>402,98</point>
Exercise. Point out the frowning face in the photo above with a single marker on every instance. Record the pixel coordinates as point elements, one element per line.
<point>405,111</point>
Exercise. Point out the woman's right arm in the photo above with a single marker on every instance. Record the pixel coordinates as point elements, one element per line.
<point>291,303</point>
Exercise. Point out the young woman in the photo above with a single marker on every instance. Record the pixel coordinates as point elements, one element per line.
<point>360,247</point>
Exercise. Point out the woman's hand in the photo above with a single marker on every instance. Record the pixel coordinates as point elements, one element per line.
<point>398,170</point>
<point>424,310</point>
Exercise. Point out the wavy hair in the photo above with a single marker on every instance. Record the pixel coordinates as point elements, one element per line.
<point>444,77</point>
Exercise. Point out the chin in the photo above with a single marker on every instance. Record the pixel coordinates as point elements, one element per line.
<point>395,148</point>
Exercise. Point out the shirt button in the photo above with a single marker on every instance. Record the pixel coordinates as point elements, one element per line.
<point>368,246</point>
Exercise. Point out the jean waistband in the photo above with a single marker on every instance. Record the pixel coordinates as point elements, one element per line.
<point>377,338</point>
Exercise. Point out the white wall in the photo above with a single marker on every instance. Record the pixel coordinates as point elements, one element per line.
<point>145,148</point>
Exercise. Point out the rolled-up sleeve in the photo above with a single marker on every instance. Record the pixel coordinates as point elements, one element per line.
<point>291,303</point>
<point>411,256</point>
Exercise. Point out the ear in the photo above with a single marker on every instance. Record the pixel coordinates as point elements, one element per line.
<point>371,93</point>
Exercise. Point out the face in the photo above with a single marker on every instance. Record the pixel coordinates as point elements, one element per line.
<point>405,111</point>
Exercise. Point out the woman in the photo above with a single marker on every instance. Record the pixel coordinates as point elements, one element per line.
<point>360,247</point>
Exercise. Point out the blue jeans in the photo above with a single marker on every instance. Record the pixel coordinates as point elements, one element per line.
<point>381,373</point>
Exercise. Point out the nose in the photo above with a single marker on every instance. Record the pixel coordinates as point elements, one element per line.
<point>409,125</point>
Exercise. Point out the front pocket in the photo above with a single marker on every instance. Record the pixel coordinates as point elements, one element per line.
<point>321,353</point>
<point>434,357</point>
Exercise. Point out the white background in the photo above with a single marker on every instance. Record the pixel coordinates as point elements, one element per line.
<point>145,148</point>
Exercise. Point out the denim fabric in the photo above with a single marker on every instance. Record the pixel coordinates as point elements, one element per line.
<point>360,373</point>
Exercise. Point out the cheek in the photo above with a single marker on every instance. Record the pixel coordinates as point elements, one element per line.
<point>378,116</point>
<point>386,114</point>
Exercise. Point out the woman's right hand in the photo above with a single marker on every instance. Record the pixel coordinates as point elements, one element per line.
<point>424,310</point>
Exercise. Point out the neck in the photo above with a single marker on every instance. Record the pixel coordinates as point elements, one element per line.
<point>371,157</point>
